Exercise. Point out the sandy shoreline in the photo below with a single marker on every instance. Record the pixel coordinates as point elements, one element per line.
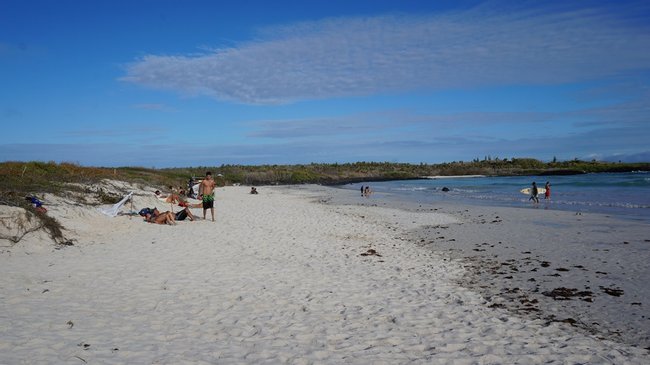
<point>278,278</point>
<point>585,269</point>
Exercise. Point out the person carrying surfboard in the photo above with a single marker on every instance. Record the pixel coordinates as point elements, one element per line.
<point>534,193</point>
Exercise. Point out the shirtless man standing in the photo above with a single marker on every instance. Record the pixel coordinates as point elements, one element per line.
<point>207,193</point>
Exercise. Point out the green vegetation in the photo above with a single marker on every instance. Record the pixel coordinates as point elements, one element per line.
<point>20,179</point>
<point>378,171</point>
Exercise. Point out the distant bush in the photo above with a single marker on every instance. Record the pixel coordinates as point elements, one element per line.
<point>303,176</point>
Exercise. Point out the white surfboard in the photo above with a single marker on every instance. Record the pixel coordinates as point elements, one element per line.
<point>526,191</point>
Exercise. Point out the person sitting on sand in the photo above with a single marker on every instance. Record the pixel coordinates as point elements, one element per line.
<point>253,190</point>
<point>155,216</point>
<point>185,213</point>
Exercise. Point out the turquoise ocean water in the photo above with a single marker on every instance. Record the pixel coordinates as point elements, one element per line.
<point>621,194</point>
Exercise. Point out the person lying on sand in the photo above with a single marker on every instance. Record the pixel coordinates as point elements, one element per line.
<point>155,216</point>
<point>171,198</point>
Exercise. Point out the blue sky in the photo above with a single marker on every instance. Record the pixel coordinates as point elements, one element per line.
<point>204,83</point>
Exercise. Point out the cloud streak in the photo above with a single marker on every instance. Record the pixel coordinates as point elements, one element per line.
<point>153,106</point>
<point>614,130</point>
<point>364,56</point>
<point>615,143</point>
<point>116,133</point>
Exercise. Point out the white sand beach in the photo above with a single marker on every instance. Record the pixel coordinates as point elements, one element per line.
<point>288,277</point>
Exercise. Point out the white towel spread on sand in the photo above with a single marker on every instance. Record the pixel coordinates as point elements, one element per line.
<point>112,211</point>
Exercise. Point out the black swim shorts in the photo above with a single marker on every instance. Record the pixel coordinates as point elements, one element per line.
<point>180,216</point>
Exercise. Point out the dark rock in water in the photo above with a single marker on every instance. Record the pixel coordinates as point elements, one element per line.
<point>445,189</point>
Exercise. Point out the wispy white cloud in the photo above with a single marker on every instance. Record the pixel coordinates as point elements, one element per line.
<point>309,128</point>
<point>11,48</point>
<point>115,133</point>
<point>341,126</point>
<point>362,56</point>
<point>633,157</point>
<point>391,124</point>
<point>10,113</point>
<point>620,143</point>
<point>618,129</point>
<point>392,135</point>
<point>4,48</point>
<point>153,106</point>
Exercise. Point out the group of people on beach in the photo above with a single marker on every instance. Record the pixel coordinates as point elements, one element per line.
<point>365,191</point>
<point>206,195</point>
<point>534,192</point>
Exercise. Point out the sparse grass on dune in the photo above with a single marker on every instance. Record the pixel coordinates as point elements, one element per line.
<point>24,178</point>
<point>21,179</point>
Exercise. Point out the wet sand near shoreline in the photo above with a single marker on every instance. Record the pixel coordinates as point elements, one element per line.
<point>587,270</point>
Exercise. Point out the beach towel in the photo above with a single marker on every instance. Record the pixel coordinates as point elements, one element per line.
<point>112,211</point>
<point>195,191</point>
